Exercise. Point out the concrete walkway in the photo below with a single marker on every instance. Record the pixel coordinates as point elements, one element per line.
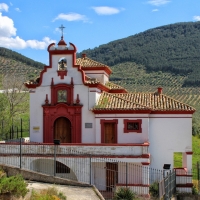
<point>71,192</point>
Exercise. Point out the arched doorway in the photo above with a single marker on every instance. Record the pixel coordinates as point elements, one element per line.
<point>62,130</point>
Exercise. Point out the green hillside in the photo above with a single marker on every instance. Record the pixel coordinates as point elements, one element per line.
<point>13,62</point>
<point>136,78</point>
<point>173,48</point>
<point>166,56</point>
<point>9,54</point>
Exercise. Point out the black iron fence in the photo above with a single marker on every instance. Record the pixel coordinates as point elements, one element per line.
<point>64,161</point>
<point>18,129</point>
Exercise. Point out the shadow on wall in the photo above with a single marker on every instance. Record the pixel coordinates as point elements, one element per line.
<point>46,166</point>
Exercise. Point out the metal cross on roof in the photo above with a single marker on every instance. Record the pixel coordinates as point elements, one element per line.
<point>61,28</point>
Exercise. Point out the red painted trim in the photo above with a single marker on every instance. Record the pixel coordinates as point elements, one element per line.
<point>62,42</point>
<point>184,175</point>
<point>62,73</point>
<point>189,153</point>
<point>52,112</point>
<point>183,168</point>
<point>99,86</point>
<point>145,163</point>
<point>104,68</point>
<point>80,144</point>
<point>171,117</point>
<point>126,121</point>
<point>71,156</point>
<point>147,117</point>
<point>140,185</point>
<point>187,185</point>
<point>61,52</point>
<point>118,91</point>
<point>118,111</point>
<point>70,93</point>
<point>52,44</point>
<point>102,122</point>
<point>73,46</point>
<point>41,77</point>
<point>172,112</point>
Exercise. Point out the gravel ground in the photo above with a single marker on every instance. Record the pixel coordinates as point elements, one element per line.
<point>71,192</point>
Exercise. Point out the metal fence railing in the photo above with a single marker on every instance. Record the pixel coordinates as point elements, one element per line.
<point>64,161</point>
<point>18,129</point>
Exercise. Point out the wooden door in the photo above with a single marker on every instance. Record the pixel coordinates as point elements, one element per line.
<point>62,130</point>
<point>110,133</point>
<point>111,175</point>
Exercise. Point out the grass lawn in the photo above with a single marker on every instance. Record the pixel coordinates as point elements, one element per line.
<point>195,156</point>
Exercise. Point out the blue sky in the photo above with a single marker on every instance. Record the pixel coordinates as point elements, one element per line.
<point>29,26</point>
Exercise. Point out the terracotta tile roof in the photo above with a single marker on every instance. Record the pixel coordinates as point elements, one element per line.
<point>109,101</point>
<point>113,86</point>
<point>156,101</point>
<point>140,101</point>
<point>33,81</point>
<point>87,62</point>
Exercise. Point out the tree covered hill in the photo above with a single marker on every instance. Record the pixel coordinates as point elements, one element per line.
<point>173,48</point>
<point>9,54</point>
<point>13,62</point>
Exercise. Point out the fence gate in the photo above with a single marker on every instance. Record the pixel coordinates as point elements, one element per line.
<point>167,187</point>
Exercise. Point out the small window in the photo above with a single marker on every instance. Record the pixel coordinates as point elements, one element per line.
<point>62,64</point>
<point>134,126</point>
<point>62,96</point>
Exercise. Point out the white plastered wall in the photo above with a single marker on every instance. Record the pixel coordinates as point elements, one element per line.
<point>87,99</point>
<point>130,137</point>
<point>169,134</point>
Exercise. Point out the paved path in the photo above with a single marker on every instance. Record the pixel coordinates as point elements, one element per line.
<point>71,192</point>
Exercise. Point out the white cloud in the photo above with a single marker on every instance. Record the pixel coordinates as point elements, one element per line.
<point>105,10</point>
<point>19,43</point>
<point>17,9</point>
<point>7,28</point>
<point>3,7</point>
<point>35,44</point>
<point>158,2</point>
<point>155,10</point>
<point>11,4</point>
<point>71,17</point>
<point>12,43</point>
<point>196,18</point>
<point>9,39</point>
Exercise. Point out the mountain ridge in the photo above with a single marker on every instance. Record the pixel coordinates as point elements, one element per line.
<point>173,48</point>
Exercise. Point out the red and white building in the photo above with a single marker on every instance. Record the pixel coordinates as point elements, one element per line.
<point>74,101</point>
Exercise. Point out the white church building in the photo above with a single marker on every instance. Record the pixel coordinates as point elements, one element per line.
<point>73,101</point>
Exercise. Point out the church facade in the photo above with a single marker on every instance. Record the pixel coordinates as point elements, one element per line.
<point>73,101</point>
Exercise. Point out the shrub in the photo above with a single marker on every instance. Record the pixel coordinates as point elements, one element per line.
<point>194,190</point>
<point>154,189</point>
<point>14,185</point>
<point>49,194</point>
<point>124,194</point>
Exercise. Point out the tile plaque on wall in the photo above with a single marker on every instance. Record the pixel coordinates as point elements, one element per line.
<point>36,129</point>
<point>88,125</point>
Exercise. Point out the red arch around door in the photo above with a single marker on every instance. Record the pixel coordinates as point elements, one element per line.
<point>52,112</point>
